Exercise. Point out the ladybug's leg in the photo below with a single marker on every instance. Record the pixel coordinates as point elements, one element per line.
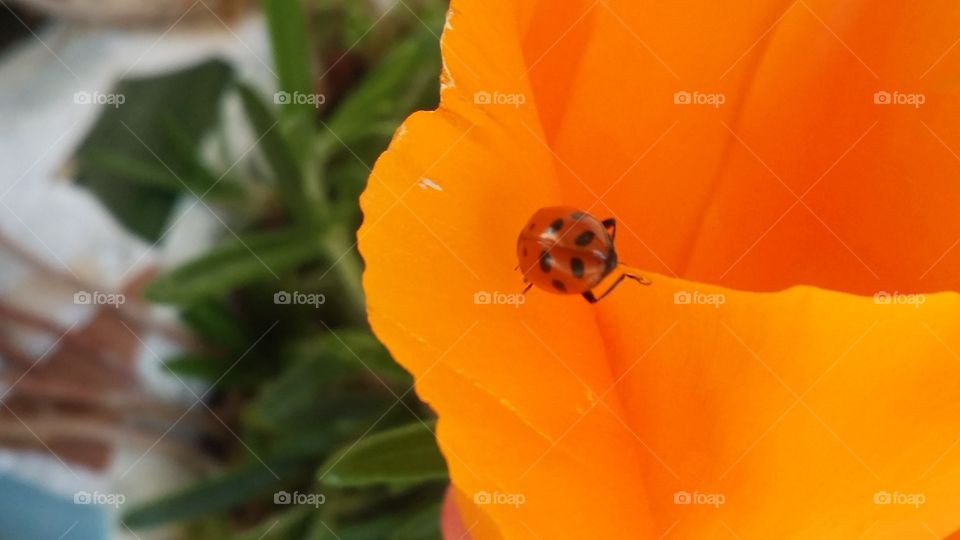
<point>611,225</point>
<point>639,279</point>
<point>606,292</point>
<point>527,288</point>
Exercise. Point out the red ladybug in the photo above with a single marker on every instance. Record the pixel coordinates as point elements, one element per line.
<point>567,251</point>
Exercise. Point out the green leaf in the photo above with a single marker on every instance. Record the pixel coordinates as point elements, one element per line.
<point>287,172</point>
<point>213,320</point>
<point>151,175</point>
<point>196,366</point>
<point>317,401</point>
<point>291,524</point>
<point>128,134</point>
<point>405,79</point>
<point>200,179</point>
<point>291,56</point>
<point>398,456</point>
<point>376,528</point>
<point>356,349</point>
<point>219,493</point>
<point>263,256</point>
<point>422,525</point>
<point>291,48</point>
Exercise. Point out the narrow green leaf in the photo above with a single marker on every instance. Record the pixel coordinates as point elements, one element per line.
<point>196,366</point>
<point>219,493</point>
<point>291,47</point>
<point>422,525</point>
<point>405,79</point>
<point>398,456</point>
<point>354,348</point>
<point>155,176</point>
<point>287,172</point>
<point>291,524</point>
<point>292,58</point>
<point>214,320</point>
<point>202,182</point>
<point>375,528</point>
<point>263,256</point>
<point>151,175</point>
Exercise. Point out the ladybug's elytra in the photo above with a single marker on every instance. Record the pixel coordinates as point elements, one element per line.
<point>567,251</point>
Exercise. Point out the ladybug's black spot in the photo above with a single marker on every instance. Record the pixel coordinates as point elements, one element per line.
<point>532,225</point>
<point>558,285</point>
<point>546,261</point>
<point>556,225</point>
<point>584,238</point>
<point>577,216</point>
<point>576,266</point>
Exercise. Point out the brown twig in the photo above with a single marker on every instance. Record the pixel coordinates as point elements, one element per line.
<point>133,313</point>
<point>47,430</point>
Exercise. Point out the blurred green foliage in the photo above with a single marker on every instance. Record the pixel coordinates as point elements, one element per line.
<point>312,402</point>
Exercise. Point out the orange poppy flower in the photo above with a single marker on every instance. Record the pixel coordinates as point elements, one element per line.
<point>785,174</point>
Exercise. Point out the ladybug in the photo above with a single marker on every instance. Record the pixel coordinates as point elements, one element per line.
<point>564,250</point>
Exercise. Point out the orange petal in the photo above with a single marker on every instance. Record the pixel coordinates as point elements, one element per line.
<point>797,406</point>
<point>770,189</point>
<point>451,523</point>
<point>563,420</point>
